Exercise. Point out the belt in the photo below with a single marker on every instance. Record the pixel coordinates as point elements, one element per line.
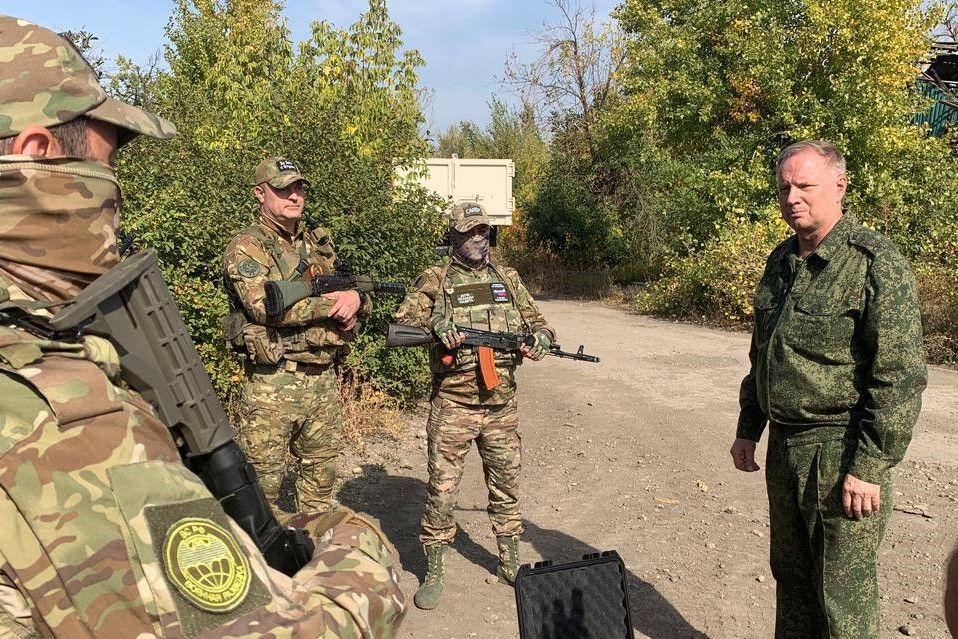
<point>291,367</point>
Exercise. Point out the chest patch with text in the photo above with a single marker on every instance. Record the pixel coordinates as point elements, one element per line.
<point>500,294</point>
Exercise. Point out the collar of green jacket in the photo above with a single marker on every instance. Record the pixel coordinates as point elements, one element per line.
<point>834,241</point>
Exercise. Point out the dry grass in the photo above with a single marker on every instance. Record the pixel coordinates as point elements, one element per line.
<point>547,276</point>
<point>938,293</point>
<point>369,413</point>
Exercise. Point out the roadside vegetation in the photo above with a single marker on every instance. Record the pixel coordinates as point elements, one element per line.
<point>661,130</point>
<point>644,150</point>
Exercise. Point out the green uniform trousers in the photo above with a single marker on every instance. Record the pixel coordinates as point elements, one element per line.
<point>293,417</point>
<point>451,429</point>
<point>824,564</point>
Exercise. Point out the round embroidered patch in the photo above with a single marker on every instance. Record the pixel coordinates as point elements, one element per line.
<point>206,565</point>
<point>248,268</point>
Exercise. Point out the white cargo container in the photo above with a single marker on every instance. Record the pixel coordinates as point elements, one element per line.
<point>487,181</point>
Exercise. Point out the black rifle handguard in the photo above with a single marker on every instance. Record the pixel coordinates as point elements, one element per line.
<point>131,306</point>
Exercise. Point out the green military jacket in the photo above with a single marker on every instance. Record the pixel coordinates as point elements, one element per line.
<point>304,333</point>
<point>838,343</point>
<point>491,298</point>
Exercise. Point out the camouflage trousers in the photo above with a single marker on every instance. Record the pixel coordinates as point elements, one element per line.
<point>291,417</point>
<point>451,429</point>
<point>824,564</point>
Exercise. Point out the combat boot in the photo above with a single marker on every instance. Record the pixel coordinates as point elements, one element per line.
<point>508,559</point>
<point>427,597</point>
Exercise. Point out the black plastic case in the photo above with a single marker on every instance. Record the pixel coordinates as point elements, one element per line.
<point>585,599</point>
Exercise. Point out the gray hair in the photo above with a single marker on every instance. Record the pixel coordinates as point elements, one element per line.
<point>824,148</point>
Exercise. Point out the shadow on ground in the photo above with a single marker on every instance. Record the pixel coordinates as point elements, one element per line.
<point>397,502</point>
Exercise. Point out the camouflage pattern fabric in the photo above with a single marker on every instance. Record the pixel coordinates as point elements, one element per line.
<point>282,411</point>
<point>293,415</point>
<point>94,496</point>
<point>491,298</point>
<point>59,213</point>
<point>462,411</point>
<point>837,367</point>
<point>823,562</point>
<point>838,341</point>
<point>50,83</point>
<point>304,333</point>
<point>451,430</point>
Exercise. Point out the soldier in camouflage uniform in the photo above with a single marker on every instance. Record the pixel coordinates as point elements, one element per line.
<point>471,291</point>
<point>290,404</point>
<point>105,532</point>
<point>837,371</point>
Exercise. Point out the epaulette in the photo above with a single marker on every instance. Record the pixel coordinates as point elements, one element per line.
<point>870,240</point>
<point>320,235</point>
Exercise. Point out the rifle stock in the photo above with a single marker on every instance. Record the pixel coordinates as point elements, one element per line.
<point>400,335</point>
<point>281,294</point>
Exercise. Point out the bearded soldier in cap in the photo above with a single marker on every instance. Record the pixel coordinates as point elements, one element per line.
<point>290,405</point>
<point>471,291</point>
<point>105,532</point>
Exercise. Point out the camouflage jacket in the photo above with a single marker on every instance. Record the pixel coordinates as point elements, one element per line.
<point>304,333</point>
<point>838,342</point>
<point>489,298</point>
<point>107,534</point>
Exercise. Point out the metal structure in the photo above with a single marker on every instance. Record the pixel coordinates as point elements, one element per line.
<point>484,180</point>
<point>939,80</point>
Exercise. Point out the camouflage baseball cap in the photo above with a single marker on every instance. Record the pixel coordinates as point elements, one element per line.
<point>278,172</point>
<point>47,82</point>
<point>468,215</point>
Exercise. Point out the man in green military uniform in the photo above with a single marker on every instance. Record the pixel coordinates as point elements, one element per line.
<point>474,390</point>
<point>290,404</point>
<point>837,372</point>
<point>105,532</point>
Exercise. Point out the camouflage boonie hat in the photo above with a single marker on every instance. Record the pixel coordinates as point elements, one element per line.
<point>47,82</point>
<point>468,215</point>
<point>278,173</point>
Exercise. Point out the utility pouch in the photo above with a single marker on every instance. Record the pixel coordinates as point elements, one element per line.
<point>232,326</point>
<point>263,344</point>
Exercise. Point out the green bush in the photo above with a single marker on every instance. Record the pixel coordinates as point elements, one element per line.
<point>344,105</point>
<point>716,284</point>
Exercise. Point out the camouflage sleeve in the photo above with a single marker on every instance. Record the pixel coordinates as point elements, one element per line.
<point>16,621</point>
<point>751,419</point>
<point>527,306</point>
<point>248,267</point>
<point>355,568</point>
<point>892,335</point>
<point>417,308</point>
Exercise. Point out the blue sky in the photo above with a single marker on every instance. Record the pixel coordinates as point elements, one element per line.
<point>465,42</point>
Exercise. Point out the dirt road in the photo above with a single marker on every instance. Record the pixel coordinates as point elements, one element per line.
<point>631,455</point>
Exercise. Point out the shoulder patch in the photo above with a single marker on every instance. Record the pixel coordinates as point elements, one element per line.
<point>205,563</point>
<point>420,281</point>
<point>248,268</point>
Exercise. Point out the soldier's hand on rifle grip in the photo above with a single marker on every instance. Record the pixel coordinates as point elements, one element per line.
<point>446,331</point>
<point>538,348</point>
<point>345,306</point>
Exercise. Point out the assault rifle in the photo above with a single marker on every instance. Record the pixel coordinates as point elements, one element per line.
<point>401,335</point>
<point>131,306</point>
<point>282,294</point>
